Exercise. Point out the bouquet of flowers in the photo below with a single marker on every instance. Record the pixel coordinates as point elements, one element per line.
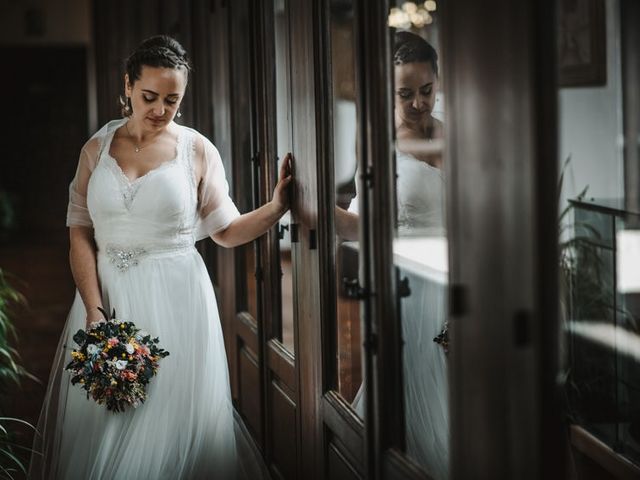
<point>115,362</point>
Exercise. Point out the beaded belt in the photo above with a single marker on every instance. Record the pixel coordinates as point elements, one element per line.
<point>124,258</point>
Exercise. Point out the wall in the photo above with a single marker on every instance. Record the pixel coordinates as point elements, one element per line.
<point>590,126</point>
<point>37,22</point>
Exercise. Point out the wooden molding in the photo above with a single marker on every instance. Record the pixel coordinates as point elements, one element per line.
<point>603,455</point>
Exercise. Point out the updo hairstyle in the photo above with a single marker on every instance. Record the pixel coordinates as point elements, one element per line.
<point>411,48</point>
<point>157,51</point>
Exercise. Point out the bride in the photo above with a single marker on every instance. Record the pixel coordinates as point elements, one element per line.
<point>145,190</point>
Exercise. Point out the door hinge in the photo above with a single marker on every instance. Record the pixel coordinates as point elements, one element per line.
<point>368,177</point>
<point>371,344</point>
<point>313,239</point>
<point>294,232</point>
<point>459,301</point>
<point>521,328</point>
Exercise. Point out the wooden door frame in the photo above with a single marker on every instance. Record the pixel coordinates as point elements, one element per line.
<point>340,427</point>
<point>523,201</point>
<point>503,240</point>
<point>305,150</point>
<point>277,359</point>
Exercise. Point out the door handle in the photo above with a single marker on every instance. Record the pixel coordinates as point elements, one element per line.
<point>352,289</point>
<point>281,230</point>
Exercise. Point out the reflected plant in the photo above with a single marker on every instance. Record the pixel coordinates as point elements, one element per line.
<point>587,293</point>
<point>581,275</point>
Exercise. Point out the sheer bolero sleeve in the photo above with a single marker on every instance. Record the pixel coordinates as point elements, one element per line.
<point>216,209</point>
<point>77,212</point>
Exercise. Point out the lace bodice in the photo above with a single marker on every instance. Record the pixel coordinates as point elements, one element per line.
<point>420,190</point>
<point>165,208</point>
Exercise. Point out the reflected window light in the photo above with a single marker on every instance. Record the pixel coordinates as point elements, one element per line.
<point>628,259</point>
<point>422,255</point>
<point>623,341</point>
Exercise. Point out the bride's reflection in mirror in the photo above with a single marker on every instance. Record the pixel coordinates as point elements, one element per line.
<point>419,135</point>
<point>420,180</point>
<point>420,252</point>
<point>420,249</point>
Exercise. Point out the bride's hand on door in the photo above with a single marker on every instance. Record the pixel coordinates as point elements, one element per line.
<point>282,193</point>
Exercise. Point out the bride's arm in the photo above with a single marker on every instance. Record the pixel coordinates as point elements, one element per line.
<point>346,224</point>
<point>82,257</point>
<point>249,226</point>
<point>252,224</point>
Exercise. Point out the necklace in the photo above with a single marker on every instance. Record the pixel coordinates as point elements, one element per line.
<point>136,147</point>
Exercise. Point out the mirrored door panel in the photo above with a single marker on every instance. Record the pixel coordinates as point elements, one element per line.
<point>285,329</point>
<point>420,248</point>
<point>348,342</point>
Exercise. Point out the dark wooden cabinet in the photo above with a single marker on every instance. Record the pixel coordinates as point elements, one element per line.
<point>298,351</point>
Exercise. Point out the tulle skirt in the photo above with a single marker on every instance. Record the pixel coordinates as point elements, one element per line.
<point>186,428</point>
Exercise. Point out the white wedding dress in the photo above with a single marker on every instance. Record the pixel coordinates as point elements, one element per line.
<point>151,274</point>
<point>420,190</point>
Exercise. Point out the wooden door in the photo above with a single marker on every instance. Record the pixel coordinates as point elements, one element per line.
<point>257,287</point>
<point>280,247</point>
<point>342,274</point>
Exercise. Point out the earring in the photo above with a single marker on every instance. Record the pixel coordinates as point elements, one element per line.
<point>125,104</point>
<point>179,114</point>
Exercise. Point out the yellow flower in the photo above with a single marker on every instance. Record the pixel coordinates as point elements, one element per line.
<point>124,355</point>
<point>78,356</point>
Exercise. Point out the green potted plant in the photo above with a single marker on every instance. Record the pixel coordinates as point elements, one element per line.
<point>11,373</point>
<point>7,213</point>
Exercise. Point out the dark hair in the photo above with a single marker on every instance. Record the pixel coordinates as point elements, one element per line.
<point>157,51</point>
<point>410,48</point>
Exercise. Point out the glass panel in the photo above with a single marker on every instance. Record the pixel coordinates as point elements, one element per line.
<point>599,236</point>
<point>284,134</point>
<point>420,246</point>
<point>348,338</point>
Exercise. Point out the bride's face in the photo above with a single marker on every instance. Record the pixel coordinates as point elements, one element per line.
<point>415,93</point>
<point>156,96</point>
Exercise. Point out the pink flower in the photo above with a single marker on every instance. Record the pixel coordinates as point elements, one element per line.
<point>113,341</point>
<point>129,375</point>
<point>143,350</point>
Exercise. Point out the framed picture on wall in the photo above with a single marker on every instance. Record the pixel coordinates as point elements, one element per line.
<point>582,43</point>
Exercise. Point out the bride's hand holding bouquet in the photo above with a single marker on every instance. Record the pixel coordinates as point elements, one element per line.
<point>115,362</point>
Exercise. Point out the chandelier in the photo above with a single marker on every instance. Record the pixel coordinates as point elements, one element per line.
<point>412,15</point>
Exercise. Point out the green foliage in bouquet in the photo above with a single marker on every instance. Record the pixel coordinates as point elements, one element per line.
<point>11,372</point>
<point>115,363</point>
